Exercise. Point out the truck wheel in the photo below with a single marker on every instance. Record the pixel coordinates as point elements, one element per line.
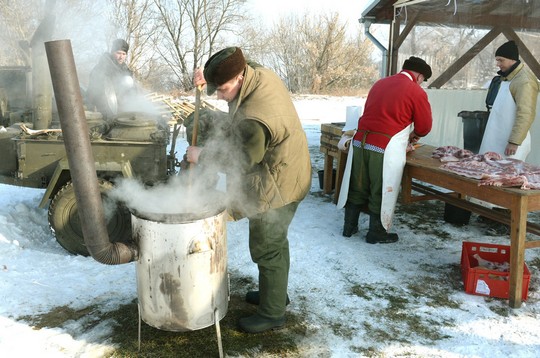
<point>64,219</point>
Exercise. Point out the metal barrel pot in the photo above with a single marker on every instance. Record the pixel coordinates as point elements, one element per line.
<point>135,126</point>
<point>182,280</point>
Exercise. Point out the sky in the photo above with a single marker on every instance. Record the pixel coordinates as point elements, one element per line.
<point>37,275</point>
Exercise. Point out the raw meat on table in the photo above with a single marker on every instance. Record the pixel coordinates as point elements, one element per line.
<point>489,168</point>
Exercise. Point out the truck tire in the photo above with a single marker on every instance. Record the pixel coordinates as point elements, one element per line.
<point>64,220</point>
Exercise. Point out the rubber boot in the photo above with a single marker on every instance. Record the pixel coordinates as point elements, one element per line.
<point>352,214</point>
<point>254,298</point>
<point>259,324</point>
<point>377,234</point>
<point>271,312</point>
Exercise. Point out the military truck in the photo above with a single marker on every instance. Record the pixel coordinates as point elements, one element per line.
<point>131,145</point>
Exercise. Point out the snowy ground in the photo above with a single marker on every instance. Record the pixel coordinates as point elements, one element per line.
<point>355,296</point>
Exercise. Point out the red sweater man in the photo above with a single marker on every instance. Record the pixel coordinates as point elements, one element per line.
<point>392,105</point>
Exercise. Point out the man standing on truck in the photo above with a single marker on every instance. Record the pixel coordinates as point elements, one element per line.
<point>111,84</point>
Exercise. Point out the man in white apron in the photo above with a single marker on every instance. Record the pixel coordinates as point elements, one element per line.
<point>514,108</point>
<point>396,112</point>
<point>511,116</point>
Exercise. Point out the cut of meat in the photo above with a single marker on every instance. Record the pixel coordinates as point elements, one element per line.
<point>440,152</point>
<point>492,156</point>
<point>451,153</point>
<point>471,169</point>
<point>506,181</point>
<point>489,168</point>
<point>534,180</point>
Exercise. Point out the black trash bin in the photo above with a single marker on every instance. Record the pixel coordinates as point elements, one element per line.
<point>455,215</point>
<point>474,125</point>
<point>321,178</point>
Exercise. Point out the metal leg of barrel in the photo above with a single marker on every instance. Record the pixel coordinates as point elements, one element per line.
<point>218,332</point>
<point>139,329</point>
<point>216,320</point>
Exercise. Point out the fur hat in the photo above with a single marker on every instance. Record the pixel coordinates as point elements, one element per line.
<point>222,67</point>
<point>119,45</point>
<point>416,64</point>
<point>508,50</point>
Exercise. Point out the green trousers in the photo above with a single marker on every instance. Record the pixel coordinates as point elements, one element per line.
<point>269,249</point>
<point>365,186</point>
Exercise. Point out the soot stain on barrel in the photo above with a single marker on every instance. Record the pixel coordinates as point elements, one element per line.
<point>169,287</point>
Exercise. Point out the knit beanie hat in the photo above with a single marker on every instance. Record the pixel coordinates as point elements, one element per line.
<point>416,64</point>
<point>508,50</point>
<point>222,67</point>
<point>119,45</point>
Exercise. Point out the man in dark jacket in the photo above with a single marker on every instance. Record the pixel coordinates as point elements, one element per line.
<point>111,82</point>
<point>263,151</point>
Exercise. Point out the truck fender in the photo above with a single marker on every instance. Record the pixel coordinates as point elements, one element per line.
<point>61,176</point>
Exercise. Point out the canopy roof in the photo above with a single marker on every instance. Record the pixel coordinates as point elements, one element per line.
<point>497,16</point>
<point>519,14</point>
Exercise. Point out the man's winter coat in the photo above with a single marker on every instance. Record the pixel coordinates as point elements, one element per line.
<point>263,111</point>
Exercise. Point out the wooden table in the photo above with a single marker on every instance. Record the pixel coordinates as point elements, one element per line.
<point>421,169</point>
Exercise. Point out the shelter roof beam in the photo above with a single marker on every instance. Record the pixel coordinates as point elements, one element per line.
<point>467,56</point>
<point>485,21</point>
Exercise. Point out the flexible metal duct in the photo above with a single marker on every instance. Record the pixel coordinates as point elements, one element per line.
<point>80,157</point>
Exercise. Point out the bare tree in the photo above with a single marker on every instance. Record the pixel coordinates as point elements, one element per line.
<point>75,20</point>
<point>19,21</point>
<point>314,55</point>
<point>442,46</point>
<point>283,54</point>
<point>133,20</point>
<point>191,30</point>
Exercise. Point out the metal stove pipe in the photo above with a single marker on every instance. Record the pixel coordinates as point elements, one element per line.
<point>80,157</point>
<point>41,82</point>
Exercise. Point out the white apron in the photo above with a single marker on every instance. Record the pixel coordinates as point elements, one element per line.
<point>393,164</point>
<point>395,156</point>
<point>500,123</point>
<point>344,190</point>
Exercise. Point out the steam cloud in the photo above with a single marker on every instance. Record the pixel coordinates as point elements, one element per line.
<point>177,196</point>
<point>193,190</point>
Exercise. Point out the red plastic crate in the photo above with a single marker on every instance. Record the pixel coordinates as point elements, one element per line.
<point>484,282</point>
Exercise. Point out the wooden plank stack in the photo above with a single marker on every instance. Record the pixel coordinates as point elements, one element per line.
<point>179,110</point>
<point>330,136</point>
